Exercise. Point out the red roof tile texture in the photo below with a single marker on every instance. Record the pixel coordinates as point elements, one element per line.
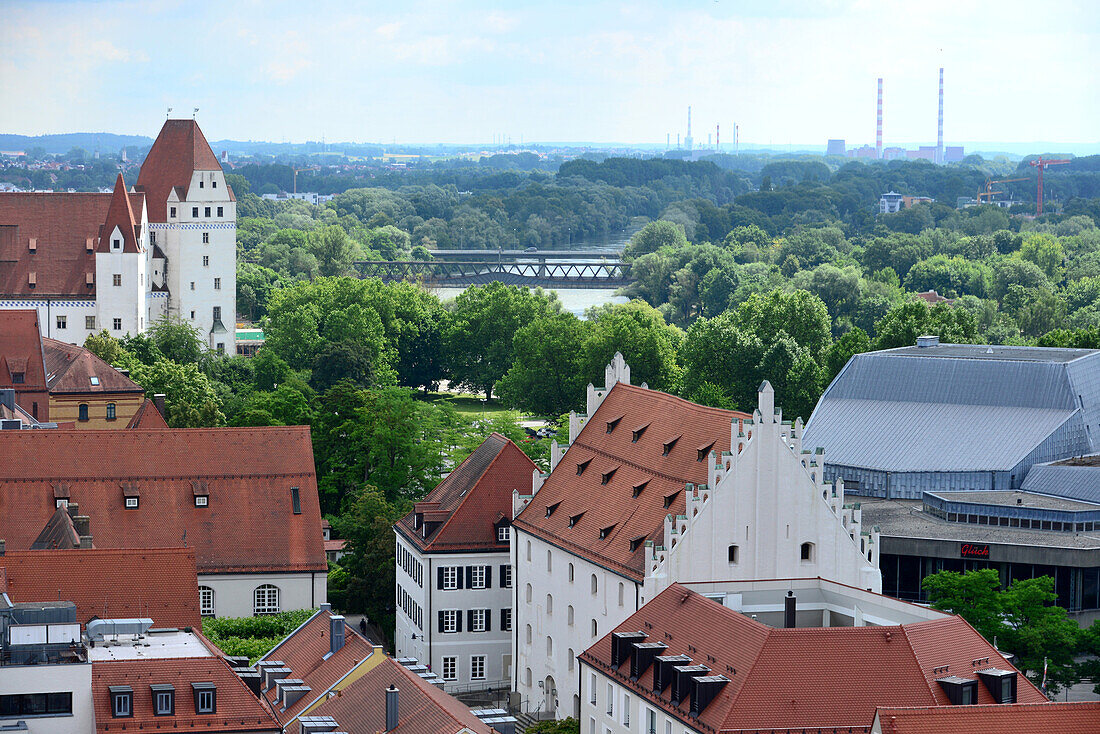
<point>147,417</point>
<point>236,708</point>
<point>304,650</point>
<point>473,498</point>
<point>110,584</point>
<point>120,216</point>
<point>65,228</point>
<point>1023,718</point>
<point>422,708</point>
<point>248,524</point>
<point>71,368</point>
<point>638,442</point>
<point>21,354</point>
<point>179,150</point>
<point>794,678</point>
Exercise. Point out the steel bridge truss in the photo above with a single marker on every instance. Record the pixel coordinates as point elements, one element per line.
<point>574,274</point>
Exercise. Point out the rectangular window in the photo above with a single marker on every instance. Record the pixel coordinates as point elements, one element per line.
<point>116,244</point>
<point>449,620</point>
<point>221,347</point>
<point>195,212</point>
<point>506,620</point>
<point>626,710</point>
<point>132,503</point>
<point>205,701</point>
<point>220,210</point>
<point>89,323</point>
<point>450,668</point>
<point>206,261</point>
<point>116,279</point>
<point>201,500</point>
<point>192,285</point>
<point>610,700</point>
<point>192,313</point>
<point>111,411</point>
<point>206,212</point>
<point>296,500</point>
<point>507,583</point>
<point>450,577</point>
<point>217,313</point>
<point>477,577</point>
<point>206,236</point>
<point>477,619</point>
<point>214,183</point>
<point>217,284</point>
<point>18,378</point>
<point>201,183</point>
<point>650,721</point>
<point>36,704</point>
<point>206,601</point>
<point>82,412</point>
<point>477,667</point>
<point>117,324</point>
<point>172,212</point>
<point>164,702</point>
<point>504,534</point>
<point>121,703</point>
<point>592,688</point>
<point>152,238</point>
<point>62,322</point>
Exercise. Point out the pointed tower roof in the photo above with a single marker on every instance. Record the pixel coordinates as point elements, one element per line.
<point>179,150</point>
<point>120,214</point>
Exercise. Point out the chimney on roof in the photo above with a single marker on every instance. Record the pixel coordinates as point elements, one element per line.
<point>158,400</point>
<point>336,633</point>
<point>789,602</point>
<point>85,541</point>
<point>82,524</point>
<point>391,708</point>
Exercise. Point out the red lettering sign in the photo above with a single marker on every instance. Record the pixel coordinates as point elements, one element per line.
<point>973,550</point>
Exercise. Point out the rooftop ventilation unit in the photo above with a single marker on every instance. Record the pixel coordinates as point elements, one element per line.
<point>98,628</point>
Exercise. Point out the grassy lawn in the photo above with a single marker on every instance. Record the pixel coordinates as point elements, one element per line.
<point>465,403</point>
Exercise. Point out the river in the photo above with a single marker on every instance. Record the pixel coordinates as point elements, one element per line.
<point>574,300</point>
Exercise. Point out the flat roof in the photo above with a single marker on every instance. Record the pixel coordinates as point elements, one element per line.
<point>905,519</point>
<point>154,645</point>
<point>1087,460</point>
<point>1016,499</point>
<point>990,351</point>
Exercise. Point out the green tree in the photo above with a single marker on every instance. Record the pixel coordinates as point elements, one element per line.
<point>653,237</point>
<point>104,346</point>
<point>343,360</point>
<point>481,330</point>
<point>254,286</point>
<point>547,376</point>
<point>269,369</point>
<point>720,360</point>
<point>800,315</point>
<point>904,323</point>
<point>176,339</point>
<point>1046,252</point>
<point>974,595</point>
<point>190,399</point>
<point>334,250</point>
<point>562,726</point>
<point>639,332</point>
<point>854,342</point>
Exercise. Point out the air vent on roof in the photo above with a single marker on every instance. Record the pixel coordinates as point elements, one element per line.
<point>606,476</point>
<point>670,498</point>
<point>621,645</point>
<point>582,466</point>
<point>639,487</point>
<point>604,532</point>
<point>637,433</point>
<point>669,444</point>
<point>612,423</point>
<point>550,508</point>
<point>641,657</point>
<point>574,519</point>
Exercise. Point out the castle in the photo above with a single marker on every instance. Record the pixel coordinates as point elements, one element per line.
<point>120,261</point>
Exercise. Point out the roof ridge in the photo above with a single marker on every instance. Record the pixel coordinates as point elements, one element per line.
<point>290,634</point>
<point>476,482</point>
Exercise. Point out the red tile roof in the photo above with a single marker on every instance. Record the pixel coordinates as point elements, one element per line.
<point>596,480</point>
<point>70,369</point>
<point>237,708</point>
<point>249,524</point>
<point>422,708</point>
<point>1022,718</point>
<point>794,678</point>
<point>147,417</point>
<point>179,150</point>
<point>473,498</point>
<point>120,214</point>
<point>21,352</point>
<point>304,650</point>
<point>63,226</point>
<point>110,583</point>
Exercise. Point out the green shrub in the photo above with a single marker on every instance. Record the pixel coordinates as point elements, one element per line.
<point>253,636</point>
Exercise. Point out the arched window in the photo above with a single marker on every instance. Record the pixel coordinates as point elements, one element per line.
<point>527,592</point>
<point>265,600</point>
<point>571,657</point>
<point>82,412</point>
<point>528,551</point>
<point>549,604</point>
<point>549,646</point>
<point>570,573</point>
<point>732,554</point>
<point>594,585</point>
<point>527,678</point>
<point>206,601</point>
<point>549,561</point>
<point>528,634</point>
<point>569,615</point>
<point>622,590</point>
<point>593,628</point>
<point>807,552</point>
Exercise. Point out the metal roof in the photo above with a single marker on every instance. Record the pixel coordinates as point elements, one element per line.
<point>1060,480</point>
<point>995,352</point>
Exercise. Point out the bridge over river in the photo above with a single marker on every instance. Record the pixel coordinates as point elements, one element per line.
<point>548,269</point>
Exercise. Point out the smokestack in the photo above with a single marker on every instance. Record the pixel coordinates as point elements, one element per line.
<point>391,708</point>
<point>878,122</point>
<point>789,610</point>
<point>939,128</point>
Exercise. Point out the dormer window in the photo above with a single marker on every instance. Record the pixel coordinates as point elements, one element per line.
<point>638,488</point>
<point>164,699</point>
<point>670,498</point>
<point>669,444</point>
<point>637,433</point>
<point>636,542</point>
<point>607,475</point>
<point>202,500</point>
<point>116,244</point>
<point>206,700</point>
<point>604,532</point>
<point>612,423</point>
<point>172,212</point>
<point>704,450</point>
<point>574,519</point>
<point>582,466</point>
<point>122,701</point>
<point>17,378</point>
<point>132,503</point>
<point>94,380</point>
<point>550,508</point>
<point>296,500</point>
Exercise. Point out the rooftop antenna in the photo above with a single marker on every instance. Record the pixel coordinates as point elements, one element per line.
<point>169,112</point>
<point>194,113</point>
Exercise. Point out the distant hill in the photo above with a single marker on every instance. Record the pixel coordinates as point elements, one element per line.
<point>107,142</point>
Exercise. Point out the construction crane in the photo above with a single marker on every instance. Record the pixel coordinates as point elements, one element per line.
<point>989,193</point>
<point>1042,163</point>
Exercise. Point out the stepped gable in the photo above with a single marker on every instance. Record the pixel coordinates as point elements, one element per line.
<point>624,473</point>
<point>71,369</point>
<point>179,150</point>
<point>110,583</point>
<point>781,679</point>
<point>120,214</point>
<point>422,707</point>
<point>147,417</point>
<point>1017,718</point>
<point>466,506</point>
<point>65,229</point>
<point>249,523</point>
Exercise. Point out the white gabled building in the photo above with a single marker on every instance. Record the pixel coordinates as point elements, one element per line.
<point>454,576</point>
<point>120,261</point>
<point>655,490</point>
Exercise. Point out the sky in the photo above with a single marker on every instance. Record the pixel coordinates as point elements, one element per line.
<point>467,72</point>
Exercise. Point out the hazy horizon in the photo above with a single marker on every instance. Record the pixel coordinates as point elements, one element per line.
<point>605,73</point>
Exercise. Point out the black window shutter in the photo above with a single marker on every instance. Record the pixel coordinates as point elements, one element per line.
<point>441,628</point>
<point>469,577</point>
<point>488,577</point>
<point>470,619</point>
<point>502,572</point>
<point>488,620</point>
<point>439,576</point>
<point>458,621</point>
<point>502,613</point>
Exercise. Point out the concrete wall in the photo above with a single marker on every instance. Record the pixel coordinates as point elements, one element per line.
<point>75,678</point>
<point>233,592</point>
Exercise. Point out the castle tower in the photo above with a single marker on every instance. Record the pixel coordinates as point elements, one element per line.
<point>120,265</point>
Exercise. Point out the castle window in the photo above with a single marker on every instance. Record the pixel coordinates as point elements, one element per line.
<point>116,244</point>
<point>732,554</point>
<point>807,552</point>
<point>201,182</point>
<point>62,322</point>
<point>116,324</point>
<point>217,284</point>
<point>89,322</point>
<point>206,212</point>
<point>206,261</point>
<point>195,212</point>
<point>116,279</point>
<point>152,238</point>
<point>220,210</point>
<point>172,211</point>
<point>206,238</point>
<point>217,313</point>
<point>213,183</point>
